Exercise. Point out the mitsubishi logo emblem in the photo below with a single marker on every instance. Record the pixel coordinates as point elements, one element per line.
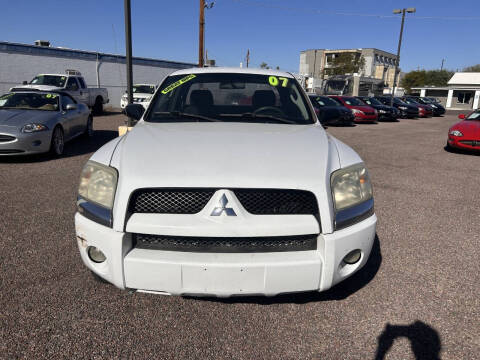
<point>223,207</point>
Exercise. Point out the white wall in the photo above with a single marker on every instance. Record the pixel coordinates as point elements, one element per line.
<point>15,68</point>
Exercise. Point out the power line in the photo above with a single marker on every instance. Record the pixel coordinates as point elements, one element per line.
<point>263,4</point>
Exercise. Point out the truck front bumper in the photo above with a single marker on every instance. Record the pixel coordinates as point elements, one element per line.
<point>224,274</point>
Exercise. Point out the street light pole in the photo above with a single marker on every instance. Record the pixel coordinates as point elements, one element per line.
<point>128,47</point>
<point>395,74</point>
<point>201,34</point>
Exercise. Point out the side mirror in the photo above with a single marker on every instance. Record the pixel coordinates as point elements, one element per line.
<point>24,82</point>
<point>134,111</point>
<point>461,116</point>
<point>71,107</point>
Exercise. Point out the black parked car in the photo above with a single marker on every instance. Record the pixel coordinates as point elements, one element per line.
<point>385,112</point>
<point>406,111</point>
<point>330,112</point>
<point>438,108</point>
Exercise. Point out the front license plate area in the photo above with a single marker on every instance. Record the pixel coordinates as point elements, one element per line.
<point>223,279</point>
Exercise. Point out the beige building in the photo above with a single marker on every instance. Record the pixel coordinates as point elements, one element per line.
<point>379,64</point>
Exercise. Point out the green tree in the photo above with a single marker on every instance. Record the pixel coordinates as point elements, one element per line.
<point>346,63</point>
<point>419,78</point>
<point>264,65</point>
<point>473,68</point>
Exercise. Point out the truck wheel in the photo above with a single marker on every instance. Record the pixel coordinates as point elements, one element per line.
<point>98,106</point>
<point>58,142</point>
<point>89,129</point>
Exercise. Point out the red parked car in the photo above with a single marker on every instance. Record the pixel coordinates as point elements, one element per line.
<point>361,111</point>
<point>466,133</point>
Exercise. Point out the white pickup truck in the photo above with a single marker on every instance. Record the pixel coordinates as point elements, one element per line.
<point>72,83</point>
<point>228,185</point>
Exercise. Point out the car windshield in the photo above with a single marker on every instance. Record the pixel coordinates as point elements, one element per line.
<point>353,101</point>
<point>52,80</point>
<point>324,101</point>
<point>411,101</point>
<point>474,116</point>
<point>29,101</point>
<point>230,97</point>
<point>371,101</point>
<point>398,101</point>
<point>144,89</point>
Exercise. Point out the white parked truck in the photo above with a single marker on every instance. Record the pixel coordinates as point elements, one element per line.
<point>228,185</point>
<point>73,83</point>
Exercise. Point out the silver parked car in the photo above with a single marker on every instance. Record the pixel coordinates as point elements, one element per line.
<point>39,121</point>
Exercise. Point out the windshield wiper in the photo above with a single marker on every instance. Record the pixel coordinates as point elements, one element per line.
<point>261,116</point>
<point>179,114</point>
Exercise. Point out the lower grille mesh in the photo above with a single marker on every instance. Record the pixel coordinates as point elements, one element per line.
<point>226,244</point>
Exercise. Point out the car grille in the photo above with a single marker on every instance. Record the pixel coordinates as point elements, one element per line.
<point>5,138</point>
<point>255,201</point>
<point>470,142</point>
<point>225,244</point>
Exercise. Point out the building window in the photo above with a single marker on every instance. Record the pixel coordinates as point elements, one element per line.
<point>464,97</point>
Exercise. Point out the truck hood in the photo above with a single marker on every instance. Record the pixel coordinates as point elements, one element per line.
<point>18,118</point>
<point>224,155</point>
<point>37,87</point>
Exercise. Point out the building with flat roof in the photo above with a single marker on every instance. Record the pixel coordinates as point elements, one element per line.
<point>22,62</point>
<point>379,64</point>
<point>461,93</point>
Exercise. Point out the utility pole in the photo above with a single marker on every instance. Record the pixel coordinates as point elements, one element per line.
<point>441,67</point>
<point>128,47</point>
<point>201,33</point>
<point>399,11</point>
<point>248,57</point>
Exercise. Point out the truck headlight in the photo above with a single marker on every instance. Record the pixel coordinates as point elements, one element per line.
<point>352,195</point>
<point>96,192</point>
<point>98,184</point>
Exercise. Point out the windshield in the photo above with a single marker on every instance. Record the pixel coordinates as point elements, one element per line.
<point>474,116</point>
<point>371,101</point>
<point>228,97</point>
<point>353,101</point>
<point>398,101</point>
<point>52,80</point>
<point>324,101</point>
<point>29,101</point>
<point>410,101</point>
<point>145,89</point>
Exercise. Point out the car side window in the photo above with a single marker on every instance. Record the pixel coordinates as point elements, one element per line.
<point>72,84</point>
<point>82,83</point>
<point>65,101</point>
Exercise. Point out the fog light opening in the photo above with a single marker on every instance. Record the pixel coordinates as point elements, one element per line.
<point>352,257</point>
<point>96,255</point>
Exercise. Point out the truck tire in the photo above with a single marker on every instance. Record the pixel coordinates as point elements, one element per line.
<point>98,106</point>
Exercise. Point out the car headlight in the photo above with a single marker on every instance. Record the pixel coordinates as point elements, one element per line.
<point>433,106</point>
<point>382,111</point>
<point>356,111</point>
<point>352,195</point>
<point>29,128</point>
<point>455,133</point>
<point>402,107</point>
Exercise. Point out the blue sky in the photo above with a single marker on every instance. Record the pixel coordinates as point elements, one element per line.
<point>275,31</point>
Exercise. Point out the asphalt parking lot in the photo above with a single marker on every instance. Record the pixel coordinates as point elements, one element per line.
<point>418,296</point>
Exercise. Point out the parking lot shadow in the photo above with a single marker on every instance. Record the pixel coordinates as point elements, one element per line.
<point>76,147</point>
<point>339,292</point>
<point>424,340</point>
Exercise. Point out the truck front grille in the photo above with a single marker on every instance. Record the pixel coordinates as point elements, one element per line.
<point>225,244</point>
<point>255,201</point>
